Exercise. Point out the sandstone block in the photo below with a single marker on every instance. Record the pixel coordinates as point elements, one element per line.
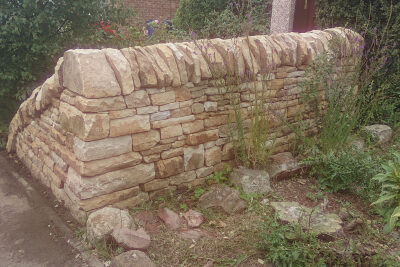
<point>96,167</point>
<point>193,127</point>
<point>172,121</point>
<point>131,239</point>
<point>85,188</point>
<point>145,140</point>
<point>182,94</point>
<point>215,121</point>
<point>87,127</point>
<point>169,58</point>
<point>172,153</point>
<point>130,55</point>
<point>160,115</point>
<point>132,201</point>
<point>204,172</point>
<point>213,156</point>
<point>146,110</point>
<point>197,108</point>
<point>147,75</point>
<point>123,113</point>
<point>99,104</point>
<point>210,106</point>
<point>122,69</point>
<point>169,167</point>
<point>184,177</point>
<point>194,157</point>
<point>163,98</point>
<point>155,185</point>
<point>87,73</point>
<point>101,149</point>
<point>171,131</point>
<point>202,137</point>
<point>137,99</point>
<point>129,125</point>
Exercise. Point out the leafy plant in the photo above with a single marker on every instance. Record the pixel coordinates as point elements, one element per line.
<point>343,170</point>
<point>390,191</point>
<point>220,177</point>
<point>198,192</point>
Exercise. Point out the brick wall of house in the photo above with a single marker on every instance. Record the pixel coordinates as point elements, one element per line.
<point>154,9</point>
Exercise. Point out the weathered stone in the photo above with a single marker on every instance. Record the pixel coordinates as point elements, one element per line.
<point>122,69</point>
<point>197,108</point>
<point>109,182</point>
<point>162,98</point>
<point>380,133</point>
<point>170,106</point>
<point>170,218</point>
<point>169,167</point>
<point>171,131</point>
<point>162,192</point>
<point>172,152</point>
<point>205,171</point>
<point>202,137</point>
<point>160,115</point>
<point>131,239</point>
<point>87,127</point>
<point>132,201</point>
<point>102,222</point>
<point>137,99</point>
<point>132,258</point>
<point>99,104</point>
<point>146,140</point>
<point>194,157</point>
<point>210,106</point>
<point>101,149</point>
<point>182,94</point>
<point>172,121</point>
<point>316,221</point>
<point>155,185</point>
<point>184,177</point>
<point>130,55</point>
<point>192,234</point>
<point>193,218</point>
<point>283,166</point>
<point>147,74</point>
<point>213,156</point>
<point>224,197</point>
<point>87,73</point>
<point>123,113</point>
<point>251,181</point>
<point>193,127</point>
<point>215,121</point>
<point>192,62</point>
<point>181,112</point>
<point>103,200</point>
<point>129,125</point>
<point>169,58</point>
<point>147,110</point>
<point>166,72</point>
<point>159,73</point>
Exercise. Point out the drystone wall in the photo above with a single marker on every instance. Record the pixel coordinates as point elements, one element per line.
<point>119,127</point>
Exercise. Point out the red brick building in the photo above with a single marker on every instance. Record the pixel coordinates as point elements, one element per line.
<point>154,9</point>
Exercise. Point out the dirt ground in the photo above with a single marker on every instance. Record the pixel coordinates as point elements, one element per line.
<point>31,232</point>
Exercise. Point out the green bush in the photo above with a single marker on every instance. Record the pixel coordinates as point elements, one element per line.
<point>344,170</point>
<point>193,14</point>
<point>379,23</point>
<point>390,192</point>
<point>33,34</point>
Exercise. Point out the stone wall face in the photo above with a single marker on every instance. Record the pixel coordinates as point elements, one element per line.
<point>119,127</point>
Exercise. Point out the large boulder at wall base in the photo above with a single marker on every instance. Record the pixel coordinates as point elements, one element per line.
<point>225,197</point>
<point>101,223</point>
<point>251,181</point>
<point>380,133</point>
<point>315,221</point>
<point>283,166</point>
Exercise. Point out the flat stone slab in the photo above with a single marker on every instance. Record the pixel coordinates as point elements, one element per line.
<point>283,166</point>
<point>380,133</point>
<point>133,258</point>
<point>131,239</point>
<point>103,221</point>
<point>170,218</point>
<point>317,222</point>
<point>224,197</point>
<point>251,181</point>
<point>192,234</point>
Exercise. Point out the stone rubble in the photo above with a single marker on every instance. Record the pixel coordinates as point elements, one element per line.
<point>251,181</point>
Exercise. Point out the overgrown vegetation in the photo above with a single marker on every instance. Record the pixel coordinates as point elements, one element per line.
<point>390,192</point>
<point>379,24</point>
<point>224,18</point>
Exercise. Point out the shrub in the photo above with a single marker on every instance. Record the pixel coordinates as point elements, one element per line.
<point>390,192</point>
<point>344,170</point>
<point>193,14</point>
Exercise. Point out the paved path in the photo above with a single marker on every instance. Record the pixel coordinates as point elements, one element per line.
<point>31,232</point>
